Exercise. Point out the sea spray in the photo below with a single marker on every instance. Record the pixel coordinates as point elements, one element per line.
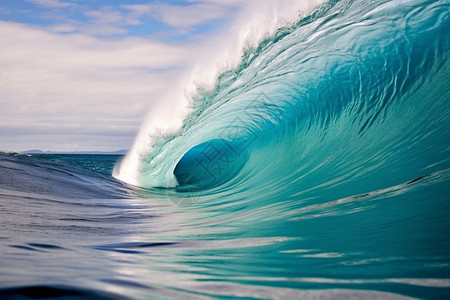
<point>256,22</point>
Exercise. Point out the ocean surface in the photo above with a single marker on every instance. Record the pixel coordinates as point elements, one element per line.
<point>319,168</point>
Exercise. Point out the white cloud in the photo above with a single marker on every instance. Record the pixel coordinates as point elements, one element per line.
<point>107,21</point>
<point>77,84</point>
<point>64,27</point>
<point>192,15</point>
<point>102,30</point>
<point>61,85</point>
<point>52,3</point>
<point>182,16</point>
<point>106,15</point>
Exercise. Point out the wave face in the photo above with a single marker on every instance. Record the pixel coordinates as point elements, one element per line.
<point>331,137</point>
<point>352,95</point>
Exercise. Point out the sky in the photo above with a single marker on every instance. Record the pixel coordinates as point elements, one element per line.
<point>82,75</point>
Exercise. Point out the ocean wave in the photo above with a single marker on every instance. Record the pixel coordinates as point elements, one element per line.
<point>351,97</point>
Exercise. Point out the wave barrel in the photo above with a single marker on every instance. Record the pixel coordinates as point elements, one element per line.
<point>210,164</point>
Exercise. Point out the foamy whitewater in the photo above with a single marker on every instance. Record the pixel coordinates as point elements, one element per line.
<point>306,155</point>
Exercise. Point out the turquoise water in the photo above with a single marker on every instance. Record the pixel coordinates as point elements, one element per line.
<point>319,168</point>
<point>357,89</point>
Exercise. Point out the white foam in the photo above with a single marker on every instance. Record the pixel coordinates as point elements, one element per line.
<point>256,20</point>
